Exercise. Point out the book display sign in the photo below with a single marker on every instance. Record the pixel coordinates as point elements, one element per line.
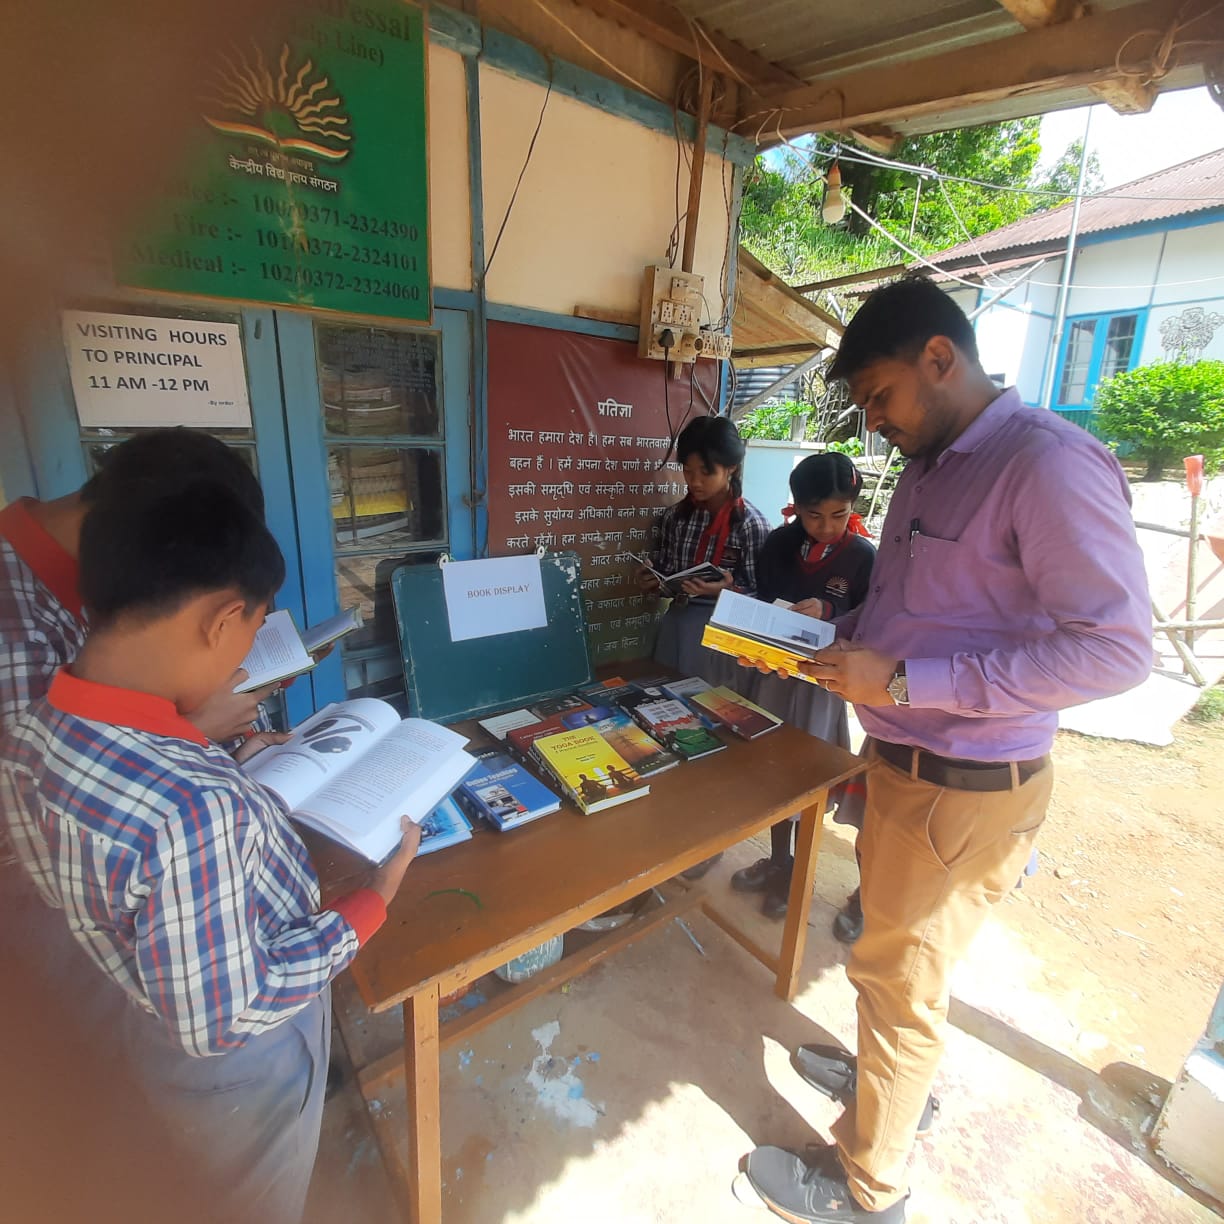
<point>306,182</point>
<point>579,435</point>
<point>493,596</point>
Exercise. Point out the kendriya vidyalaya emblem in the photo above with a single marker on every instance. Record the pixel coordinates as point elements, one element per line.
<point>294,110</point>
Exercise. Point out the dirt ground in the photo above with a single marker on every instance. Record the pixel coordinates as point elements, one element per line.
<point>1127,909</point>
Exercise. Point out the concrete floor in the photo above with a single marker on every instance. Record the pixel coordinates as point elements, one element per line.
<point>632,1095</point>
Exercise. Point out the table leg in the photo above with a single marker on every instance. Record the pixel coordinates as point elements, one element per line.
<point>794,933</point>
<point>422,1071</point>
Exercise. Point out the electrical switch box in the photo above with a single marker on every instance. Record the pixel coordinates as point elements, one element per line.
<point>671,302</point>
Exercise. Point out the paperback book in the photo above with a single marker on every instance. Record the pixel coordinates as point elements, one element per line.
<point>671,722</point>
<point>739,715</point>
<point>765,633</point>
<point>279,652</point>
<point>354,768</point>
<point>592,772</point>
<point>641,750</point>
<point>504,793</point>
<point>673,584</point>
<point>445,826</point>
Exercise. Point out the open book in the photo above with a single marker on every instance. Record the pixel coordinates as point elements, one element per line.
<point>355,768</point>
<point>778,637</point>
<point>280,652</point>
<point>673,584</point>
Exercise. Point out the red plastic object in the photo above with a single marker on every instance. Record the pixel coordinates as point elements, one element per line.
<point>1194,474</point>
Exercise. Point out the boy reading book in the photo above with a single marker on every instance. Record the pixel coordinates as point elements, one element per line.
<point>43,626</point>
<point>180,876</point>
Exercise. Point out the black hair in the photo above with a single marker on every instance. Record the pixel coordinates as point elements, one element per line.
<point>171,457</point>
<point>829,474</point>
<point>714,440</point>
<point>897,320</point>
<point>147,549</point>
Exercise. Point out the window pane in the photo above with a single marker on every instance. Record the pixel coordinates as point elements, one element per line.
<point>365,582</point>
<point>1078,358</point>
<point>1119,342</point>
<point>378,383</point>
<point>385,498</point>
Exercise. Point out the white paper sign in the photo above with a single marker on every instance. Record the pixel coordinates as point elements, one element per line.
<point>493,596</point>
<point>144,370</point>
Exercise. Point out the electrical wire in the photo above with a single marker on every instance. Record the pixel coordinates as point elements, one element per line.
<point>526,162</point>
<point>922,259</point>
<point>864,158</point>
<point>603,59</point>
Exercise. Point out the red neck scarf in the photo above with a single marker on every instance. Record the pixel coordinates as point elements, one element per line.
<point>717,531</point>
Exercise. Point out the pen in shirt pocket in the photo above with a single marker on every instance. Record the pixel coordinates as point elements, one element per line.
<point>915,530</point>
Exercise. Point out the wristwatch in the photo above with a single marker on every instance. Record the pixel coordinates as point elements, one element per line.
<point>898,686</point>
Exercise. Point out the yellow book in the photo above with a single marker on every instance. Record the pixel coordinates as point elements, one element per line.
<point>592,772</point>
<point>728,642</point>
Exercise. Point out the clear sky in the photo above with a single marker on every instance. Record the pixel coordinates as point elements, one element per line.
<point>1179,126</point>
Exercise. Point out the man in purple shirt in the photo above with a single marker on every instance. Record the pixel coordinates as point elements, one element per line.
<point>1008,586</point>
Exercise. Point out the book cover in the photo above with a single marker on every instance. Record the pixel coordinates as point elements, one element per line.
<point>736,713</point>
<point>504,793</point>
<point>644,753</point>
<point>500,725</point>
<point>762,632</point>
<point>566,702</point>
<point>672,723</point>
<point>520,739</point>
<point>593,773</point>
<point>778,658</point>
<point>445,826</point>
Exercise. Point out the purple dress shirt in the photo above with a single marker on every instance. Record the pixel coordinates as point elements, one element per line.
<point>1010,581</point>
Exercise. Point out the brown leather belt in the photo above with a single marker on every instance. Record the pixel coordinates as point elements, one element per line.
<point>954,774</point>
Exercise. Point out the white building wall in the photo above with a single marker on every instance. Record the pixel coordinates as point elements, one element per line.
<point>597,202</point>
<point>1113,276</point>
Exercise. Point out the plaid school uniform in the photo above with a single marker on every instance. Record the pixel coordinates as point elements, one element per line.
<point>179,875</point>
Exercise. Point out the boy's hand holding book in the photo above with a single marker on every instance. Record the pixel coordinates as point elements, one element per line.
<point>226,715</point>
<point>256,743</point>
<point>386,879</point>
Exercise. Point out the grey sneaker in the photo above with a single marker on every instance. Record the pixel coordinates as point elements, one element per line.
<point>812,1191</point>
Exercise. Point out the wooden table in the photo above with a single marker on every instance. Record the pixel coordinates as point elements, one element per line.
<point>547,877</point>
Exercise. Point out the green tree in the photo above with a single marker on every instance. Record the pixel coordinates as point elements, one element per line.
<point>781,221</point>
<point>1063,175</point>
<point>1166,411</point>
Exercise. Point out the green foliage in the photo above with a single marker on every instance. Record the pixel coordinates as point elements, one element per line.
<point>1210,706</point>
<point>851,446</point>
<point>781,221</point>
<point>1063,175</point>
<point>772,421</point>
<point>1166,411</point>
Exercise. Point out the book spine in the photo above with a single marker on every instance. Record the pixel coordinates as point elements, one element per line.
<point>727,642</point>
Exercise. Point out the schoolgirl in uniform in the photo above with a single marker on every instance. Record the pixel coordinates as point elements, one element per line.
<point>821,564</point>
<point>712,523</point>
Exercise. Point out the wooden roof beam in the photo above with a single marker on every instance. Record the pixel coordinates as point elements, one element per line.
<point>1030,63</point>
<point>667,26</point>
<point>1126,95</point>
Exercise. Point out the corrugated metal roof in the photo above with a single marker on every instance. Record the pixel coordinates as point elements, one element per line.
<point>1193,186</point>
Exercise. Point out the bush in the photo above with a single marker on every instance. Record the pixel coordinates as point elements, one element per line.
<point>1166,411</point>
<point>1209,708</point>
<point>772,421</point>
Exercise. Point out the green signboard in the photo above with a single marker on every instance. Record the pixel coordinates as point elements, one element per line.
<point>305,183</point>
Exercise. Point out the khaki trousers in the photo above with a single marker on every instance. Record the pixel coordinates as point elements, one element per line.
<point>933,861</point>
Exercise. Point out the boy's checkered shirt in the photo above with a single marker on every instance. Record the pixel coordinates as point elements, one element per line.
<point>178,874</point>
<point>38,635</point>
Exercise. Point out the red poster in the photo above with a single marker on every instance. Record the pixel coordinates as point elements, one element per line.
<point>580,439</point>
